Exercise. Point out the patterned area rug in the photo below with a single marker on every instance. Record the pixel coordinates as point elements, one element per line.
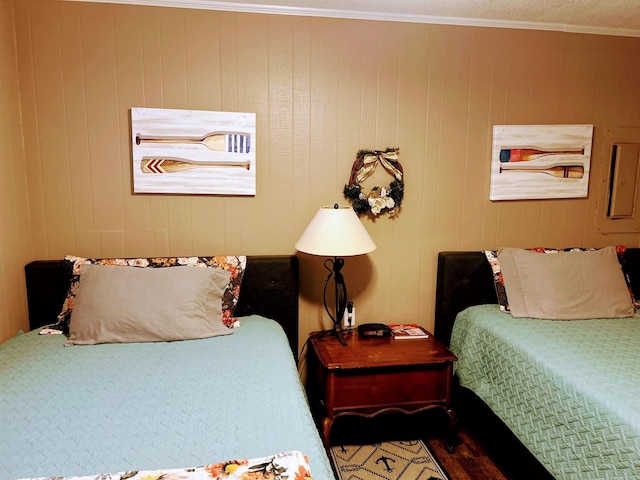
<point>400,460</point>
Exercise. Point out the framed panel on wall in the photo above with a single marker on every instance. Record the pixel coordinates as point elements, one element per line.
<point>193,152</point>
<point>540,161</point>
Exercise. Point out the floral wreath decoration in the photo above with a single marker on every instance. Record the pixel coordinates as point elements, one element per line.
<point>379,199</point>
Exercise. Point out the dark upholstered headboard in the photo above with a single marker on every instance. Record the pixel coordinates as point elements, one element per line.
<point>269,288</point>
<point>465,279</point>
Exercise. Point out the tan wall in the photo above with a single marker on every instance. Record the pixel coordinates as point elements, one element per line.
<point>322,89</point>
<point>15,236</point>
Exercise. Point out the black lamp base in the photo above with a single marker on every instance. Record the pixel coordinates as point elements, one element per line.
<point>339,333</point>
<point>335,266</point>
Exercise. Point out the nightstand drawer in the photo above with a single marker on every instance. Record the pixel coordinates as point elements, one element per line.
<point>369,390</point>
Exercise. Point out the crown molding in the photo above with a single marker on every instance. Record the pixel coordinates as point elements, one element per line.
<point>370,15</point>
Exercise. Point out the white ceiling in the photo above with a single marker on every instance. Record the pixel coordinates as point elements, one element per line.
<point>606,17</point>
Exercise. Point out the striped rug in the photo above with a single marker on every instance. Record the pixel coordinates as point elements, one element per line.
<point>398,460</point>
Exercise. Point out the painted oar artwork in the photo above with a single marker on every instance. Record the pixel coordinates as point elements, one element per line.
<point>526,154</point>
<point>540,161</point>
<point>193,152</point>
<point>559,171</point>
<point>173,165</point>
<point>218,141</point>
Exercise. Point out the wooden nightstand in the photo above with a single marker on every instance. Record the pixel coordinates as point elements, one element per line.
<point>371,376</point>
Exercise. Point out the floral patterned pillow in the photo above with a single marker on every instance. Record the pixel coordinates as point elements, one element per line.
<point>498,281</point>
<point>292,465</point>
<point>501,293</point>
<point>235,264</point>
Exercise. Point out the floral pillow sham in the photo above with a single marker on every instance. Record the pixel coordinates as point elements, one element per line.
<point>129,304</point>
<point>498,280</point>
<point>236,265</point>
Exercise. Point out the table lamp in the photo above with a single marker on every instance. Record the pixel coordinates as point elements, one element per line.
<point>336,231</point>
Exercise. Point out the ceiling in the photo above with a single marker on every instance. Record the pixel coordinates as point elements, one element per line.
<point>605,17</point>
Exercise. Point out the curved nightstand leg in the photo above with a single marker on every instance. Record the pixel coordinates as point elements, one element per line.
<point>326,431</point>
<point>452,437</point>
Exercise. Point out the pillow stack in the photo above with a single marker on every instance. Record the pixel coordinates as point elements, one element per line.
<point>130,304</point>
<point>563,285</point>
<point>150,299</point>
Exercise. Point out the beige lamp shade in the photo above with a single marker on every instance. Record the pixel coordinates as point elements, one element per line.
<point>335,231</point>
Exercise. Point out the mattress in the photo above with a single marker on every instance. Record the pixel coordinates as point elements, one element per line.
<point>87,410</point>
<point>569,390</point>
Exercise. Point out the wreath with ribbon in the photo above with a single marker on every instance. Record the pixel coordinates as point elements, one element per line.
<point>379,199</point>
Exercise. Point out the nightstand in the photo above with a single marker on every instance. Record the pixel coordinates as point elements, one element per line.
<point>371,376</point>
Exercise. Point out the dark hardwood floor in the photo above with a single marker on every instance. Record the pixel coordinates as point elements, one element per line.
<point>470,461</point>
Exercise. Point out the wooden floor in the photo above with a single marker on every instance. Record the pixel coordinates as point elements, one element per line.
<point>470,461</point>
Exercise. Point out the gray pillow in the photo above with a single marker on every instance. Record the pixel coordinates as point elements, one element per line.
<point>565,285</point>
<point>129,304</point>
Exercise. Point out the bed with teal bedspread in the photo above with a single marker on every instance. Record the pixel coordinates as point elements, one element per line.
<point>570,391</point>
<point>108,408</point>
<point>552,399</point>
<point>89,410</point>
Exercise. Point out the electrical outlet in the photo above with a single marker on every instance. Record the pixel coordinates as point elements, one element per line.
<point>349,318</point>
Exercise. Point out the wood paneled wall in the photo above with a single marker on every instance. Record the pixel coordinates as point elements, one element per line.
<point>15,236</point>
<point>322,89</point>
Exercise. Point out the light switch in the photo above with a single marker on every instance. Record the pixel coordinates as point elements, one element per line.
<point>624,172</point>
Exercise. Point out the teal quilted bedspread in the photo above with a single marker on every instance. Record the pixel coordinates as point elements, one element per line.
<point>87,410</point>
<point>569,390</point>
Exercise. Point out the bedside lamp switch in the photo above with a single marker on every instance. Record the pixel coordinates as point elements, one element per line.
<point>349,318</point>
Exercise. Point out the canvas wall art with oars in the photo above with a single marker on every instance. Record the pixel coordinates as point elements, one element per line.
<point>540,161</point>
<point>193,152</point>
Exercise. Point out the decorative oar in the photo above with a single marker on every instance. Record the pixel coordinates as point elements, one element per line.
<point>525,154</point>
<point>172,165</point>
<point>561,171</point>
<point>229,142</point>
